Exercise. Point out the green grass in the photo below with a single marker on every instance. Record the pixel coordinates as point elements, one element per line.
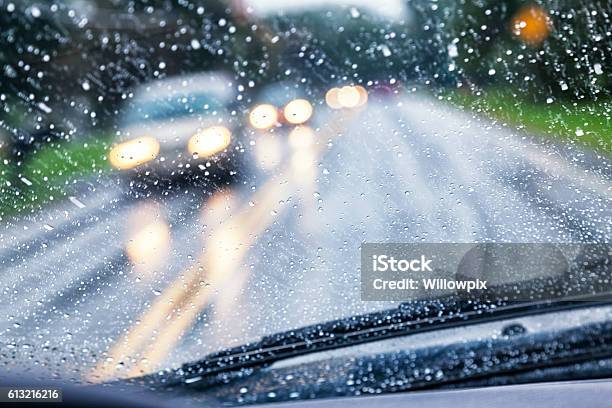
<point>587,124</point>
<point>50,171</point>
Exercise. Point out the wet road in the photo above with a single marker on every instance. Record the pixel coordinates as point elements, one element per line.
<point>109,285</point>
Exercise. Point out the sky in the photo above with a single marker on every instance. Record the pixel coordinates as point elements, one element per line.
<point>394,9</point>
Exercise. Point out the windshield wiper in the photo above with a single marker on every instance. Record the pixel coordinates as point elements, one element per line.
<point>505,301</point>
<point>408,319</point>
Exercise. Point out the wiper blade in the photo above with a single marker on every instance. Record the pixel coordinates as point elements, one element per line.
<point>545,294</point>
<point>408,319</point>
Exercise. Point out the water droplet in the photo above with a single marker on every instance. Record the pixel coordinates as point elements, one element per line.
<point>76,202</point>
<point>598,69</point>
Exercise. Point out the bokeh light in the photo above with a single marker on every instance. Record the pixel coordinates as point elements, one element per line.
<point>263,116</point>
<point>133,153</point>
<point>297,111</point>
<point>531,24</point>
<point>210,141</point>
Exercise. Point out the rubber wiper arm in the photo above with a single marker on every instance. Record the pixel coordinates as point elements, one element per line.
<point>408,319</point>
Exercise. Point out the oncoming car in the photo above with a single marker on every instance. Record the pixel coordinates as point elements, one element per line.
<point>280,104</point>
<point>177,127</point>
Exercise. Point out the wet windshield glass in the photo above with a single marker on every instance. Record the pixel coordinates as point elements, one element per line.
<point>178,178</point>
<point>167,109</point>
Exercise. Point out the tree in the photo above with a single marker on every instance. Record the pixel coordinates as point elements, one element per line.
<point>555,48</point>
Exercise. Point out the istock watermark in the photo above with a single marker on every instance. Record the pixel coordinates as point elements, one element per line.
<point>381,263</point>
<point>397,268</point>
<point>384,263</point>
<point>402,272</point>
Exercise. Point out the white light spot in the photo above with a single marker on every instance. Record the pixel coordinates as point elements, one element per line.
<point>385,50</point>
<point>76,202</point>
<point>44,107</point>
<point>598,69</point>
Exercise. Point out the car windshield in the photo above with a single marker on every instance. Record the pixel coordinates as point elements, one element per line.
<point>172,108</point>
<point>335,153</point>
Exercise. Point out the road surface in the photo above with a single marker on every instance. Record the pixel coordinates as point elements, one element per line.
<point>105,285</point>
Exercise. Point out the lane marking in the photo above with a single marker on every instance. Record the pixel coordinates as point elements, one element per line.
<point>148,342</point>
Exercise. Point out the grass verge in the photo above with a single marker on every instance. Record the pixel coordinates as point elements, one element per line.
<point>587,124</point>
<point>45,176</point>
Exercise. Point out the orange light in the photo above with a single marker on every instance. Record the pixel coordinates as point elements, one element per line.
<point>263,116</point>
<point>134,153</point>
<point>348,97</point>
<point>531,24</point>
<point>297,111</point>
<point>363,95</point>
<point>331,98</point>
<point>209,141</point>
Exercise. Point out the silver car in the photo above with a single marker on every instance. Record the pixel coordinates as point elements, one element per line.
<point>178,126</point>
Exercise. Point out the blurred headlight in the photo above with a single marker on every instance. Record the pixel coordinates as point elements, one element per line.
<point>263,116</point>
<point>134,153</point>
<point>331,98</point>
<point>363,95</point>
<point>348,96</point>
<point>297,111</point>
<point>209,141</point>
